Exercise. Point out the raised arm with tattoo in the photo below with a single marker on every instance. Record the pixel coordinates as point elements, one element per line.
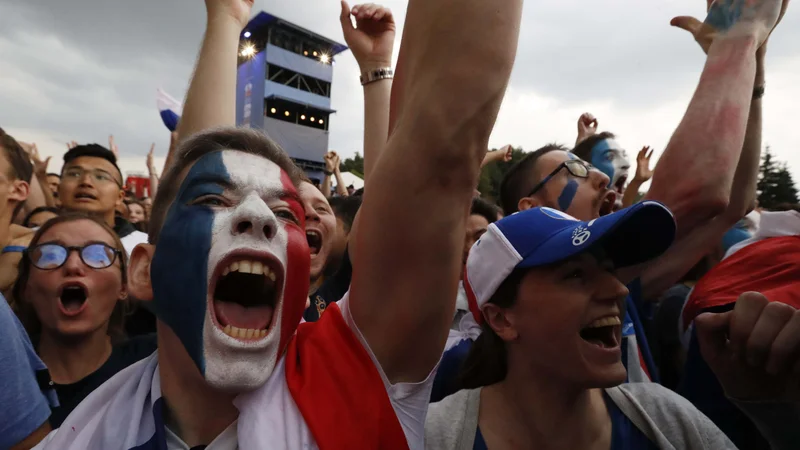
<point>372,41</point>
<point>405,277</point>
<point>707,172</point>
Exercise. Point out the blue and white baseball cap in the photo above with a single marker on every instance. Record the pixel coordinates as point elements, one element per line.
<point>543,236</point>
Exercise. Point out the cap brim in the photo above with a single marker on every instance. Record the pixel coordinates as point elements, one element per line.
<point>629,237</point>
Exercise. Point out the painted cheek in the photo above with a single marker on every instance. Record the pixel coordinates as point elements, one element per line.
<point>567,195</point>
<point>602,164</point>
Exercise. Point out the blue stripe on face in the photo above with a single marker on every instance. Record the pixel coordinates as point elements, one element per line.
<point>179,271</point>
<point>602,161</point>
<point>567,195</point>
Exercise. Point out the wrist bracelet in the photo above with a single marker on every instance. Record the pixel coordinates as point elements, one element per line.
<point>376,75</point>
<point>328,173</point>
<point>758,92</point>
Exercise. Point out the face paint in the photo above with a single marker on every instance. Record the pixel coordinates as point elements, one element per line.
<point>231,206</point>
<point>567,195</point>
<point>608,157</point>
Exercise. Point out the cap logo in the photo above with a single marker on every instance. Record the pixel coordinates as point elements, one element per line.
<point>580,235</point>
<point>556,214</point>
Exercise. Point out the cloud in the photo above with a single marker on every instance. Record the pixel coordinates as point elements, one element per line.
<point>85,69</point>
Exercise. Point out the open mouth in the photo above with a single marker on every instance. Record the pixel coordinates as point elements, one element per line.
<point>245,297</point>
<point>72,299</point>
<point>84,196</point>
<point>607,203</point>
<point>619,186</point>
<point>605,332</point>
<point>314,239</point>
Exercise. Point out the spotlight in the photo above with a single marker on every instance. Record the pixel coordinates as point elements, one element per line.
<point>312,119</point>
<point>305,52</point>
<point>273,110</point>
<point>302,117</point>
<point>286,113</point>
<point>325,59</point>
<point>248,50</point>
<point>314,53</point>
<point>321,121</point>
<point>247,34</point>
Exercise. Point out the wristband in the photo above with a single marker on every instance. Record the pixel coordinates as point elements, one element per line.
<point>376,75</point>
<point>758,92</point>
<point>328,173</point>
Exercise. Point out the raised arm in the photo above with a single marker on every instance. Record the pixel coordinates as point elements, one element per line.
<point>405,274</point>
<point>151,169</point>
<point>700,238</point>
<point>211,99</point>
<point>372,41</point>
<point>332,168</point>
<point>642,175</point>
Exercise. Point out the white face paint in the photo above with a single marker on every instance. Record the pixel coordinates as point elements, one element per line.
<point>233,363</point>
<point>609,157</point>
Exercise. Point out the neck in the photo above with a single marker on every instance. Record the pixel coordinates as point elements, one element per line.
<point>315,284</point>
<point>534,409</point>
<point>5,228</point>
<point>71,360</point>
<point>194,411</point>
<point>109,218</point>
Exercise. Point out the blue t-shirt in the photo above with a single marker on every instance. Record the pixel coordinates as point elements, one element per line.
<point>25,407</point>
<point>624,434</point>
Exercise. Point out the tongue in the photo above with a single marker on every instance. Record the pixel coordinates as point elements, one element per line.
<point>236,315</point>
<point>72,305</point>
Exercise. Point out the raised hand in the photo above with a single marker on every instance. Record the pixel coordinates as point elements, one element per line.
<point>112,146</point>
<point>754,350</point>
<point>150,164</point>
<point>238,10</point>
<point>643,172</point>
<point>506,153</point>
<point>331,162</point>
<point>39,166</point>
<point>724,14</point>
<point>372,39</point>
<point>71,145</point>
<point>587,126</point>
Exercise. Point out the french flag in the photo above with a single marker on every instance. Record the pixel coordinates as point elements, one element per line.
<point>169,108</point>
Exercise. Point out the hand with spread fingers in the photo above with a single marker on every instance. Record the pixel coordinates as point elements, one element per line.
<point>113,146</point>
<point>643,171</point>
<point>39,165</point>
<point>724,15</point>
<point>372,38</point>
<point>754,350</point>
<point>587,126</point>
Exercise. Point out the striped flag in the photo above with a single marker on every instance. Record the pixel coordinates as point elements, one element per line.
<point>169,108</point>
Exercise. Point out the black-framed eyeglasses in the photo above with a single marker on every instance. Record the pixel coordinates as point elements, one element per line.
<point>576,167</point>
<point>52,256</point>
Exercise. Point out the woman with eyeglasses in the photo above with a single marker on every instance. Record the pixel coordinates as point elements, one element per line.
<point>72,294</point>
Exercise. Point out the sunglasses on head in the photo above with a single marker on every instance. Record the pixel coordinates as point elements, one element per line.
<point>51,256</point>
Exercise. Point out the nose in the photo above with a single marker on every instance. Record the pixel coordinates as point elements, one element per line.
<point>598,179</point>
<point>311,213</point>
<point>253,217</point>
<point>611,289</point>
<point>73,266</point>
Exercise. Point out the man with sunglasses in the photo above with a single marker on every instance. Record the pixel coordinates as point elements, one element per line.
<point>91,182</point>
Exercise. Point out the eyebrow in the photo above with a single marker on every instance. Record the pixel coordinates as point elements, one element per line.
<point>210,178</point>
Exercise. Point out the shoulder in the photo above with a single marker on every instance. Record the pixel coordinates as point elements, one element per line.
<point>667,414</point>
<point>452,419</point>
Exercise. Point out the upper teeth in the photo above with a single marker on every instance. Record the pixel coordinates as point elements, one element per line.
<point>254,267</point>
<point>605,322</point>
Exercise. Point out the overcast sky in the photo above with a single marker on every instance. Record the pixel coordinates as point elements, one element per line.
<point>83,69</point>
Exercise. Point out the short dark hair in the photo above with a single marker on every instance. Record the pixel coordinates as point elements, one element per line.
<point>584,149</point>
<point>27,315</point>
<point>487,361</point>
<point>53,174</point>
<point>41,209</point>
<point>241,139</point>
<point>345,208</point>
<point>91,151</point>
<point>518,181</point>
<point>481,207</point>
<point>21,165</point>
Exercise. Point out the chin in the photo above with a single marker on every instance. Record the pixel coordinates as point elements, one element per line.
<point>607,377</point>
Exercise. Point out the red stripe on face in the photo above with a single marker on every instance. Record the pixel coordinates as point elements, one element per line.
<point>298,267</point>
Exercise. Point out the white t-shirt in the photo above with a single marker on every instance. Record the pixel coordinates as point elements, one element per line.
<point>271,410</point>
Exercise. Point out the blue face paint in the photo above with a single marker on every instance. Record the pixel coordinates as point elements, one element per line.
<point>179,270</point>
<point>724,14</point>
<point>567,195</point>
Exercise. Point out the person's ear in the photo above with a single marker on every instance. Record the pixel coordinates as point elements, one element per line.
<point>20,190</point>
<point>120,197</point>
<point>140,285</point>
<point>526,203</point>
<point>498,319</point>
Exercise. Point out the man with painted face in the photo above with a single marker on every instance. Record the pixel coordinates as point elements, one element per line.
<point>605,153</point>
<point>227,266</point>
<point>716,131</point>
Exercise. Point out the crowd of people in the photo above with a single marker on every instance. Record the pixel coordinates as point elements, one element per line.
<point>245,305</point>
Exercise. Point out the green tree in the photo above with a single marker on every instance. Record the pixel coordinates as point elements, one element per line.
<point>354,165</point>
<point>775,184</point>
<point>492,175</point>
